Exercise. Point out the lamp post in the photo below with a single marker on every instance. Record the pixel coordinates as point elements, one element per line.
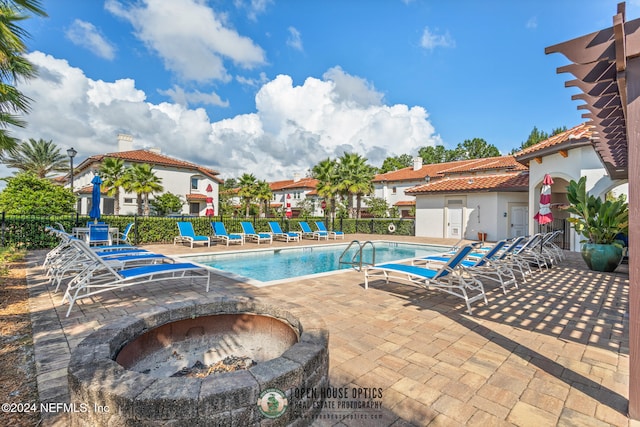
<point>71,153</point>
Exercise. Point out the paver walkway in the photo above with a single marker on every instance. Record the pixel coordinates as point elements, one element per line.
<point>553,352</point>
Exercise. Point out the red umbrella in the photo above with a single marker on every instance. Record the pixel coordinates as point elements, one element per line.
<point>209,211</point>
<point>544,215</point>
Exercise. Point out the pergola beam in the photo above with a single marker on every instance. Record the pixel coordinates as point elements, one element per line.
<point>606,66</point>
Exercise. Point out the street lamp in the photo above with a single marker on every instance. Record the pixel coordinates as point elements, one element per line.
<point>71,153</point>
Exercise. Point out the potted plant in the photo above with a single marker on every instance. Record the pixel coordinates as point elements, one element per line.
<point>601,222</point>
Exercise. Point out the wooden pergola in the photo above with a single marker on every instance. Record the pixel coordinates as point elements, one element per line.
<point>606,66</point>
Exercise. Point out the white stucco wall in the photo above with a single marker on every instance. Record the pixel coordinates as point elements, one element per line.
<point>582,161</point>
<point>176,181</point>
<point>482,212</point>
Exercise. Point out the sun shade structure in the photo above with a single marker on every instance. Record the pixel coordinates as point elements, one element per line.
<point>601,69</point>
<point>606,66</point>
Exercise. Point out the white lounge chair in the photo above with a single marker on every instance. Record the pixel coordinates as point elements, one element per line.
<point>323,229</point>
<point>251,234</point>
<point>188,235</point>
<point>308,232</point>
<point>278,234</point>
<point>220,233</point>
<point>101,276</point>
<point>447,278</point>
<point>486,265</point>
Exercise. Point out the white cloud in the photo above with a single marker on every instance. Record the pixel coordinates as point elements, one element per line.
<point>294,40</point>
<point>191,38</point>
<point>86,35</point>
<point>532,23</point>
<point>431,40</point>
<point>254,7</point>
<point>179,96</point>
<point>293,128</point>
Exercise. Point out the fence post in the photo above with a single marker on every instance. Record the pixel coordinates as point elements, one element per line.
<point>135,229</point>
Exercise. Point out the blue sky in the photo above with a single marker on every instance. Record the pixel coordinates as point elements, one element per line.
<point>272,87</point>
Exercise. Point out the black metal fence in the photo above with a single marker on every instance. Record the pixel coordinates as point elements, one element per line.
<point>28,231</point>
<point>562,240</point>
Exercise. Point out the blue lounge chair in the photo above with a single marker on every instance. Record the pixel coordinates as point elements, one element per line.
<point>278,234</point>
<point>308,232</point>
<point>449,277</point>
<point>251,234</point>
<point>323,229</point>
<point>187,234</point>
<point>124,236</point>
<point>220,233</point>
<point>102,276</point>
<point>481,266</point>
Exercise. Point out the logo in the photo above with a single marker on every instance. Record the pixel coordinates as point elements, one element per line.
<point>272,403</point>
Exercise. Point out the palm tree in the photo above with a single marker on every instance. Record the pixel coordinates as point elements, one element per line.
<point>141,179</point>
<point>112,172</point>
<point>326,172</point>
<point>14,67</point>
<point>355,178</point>
<point>247,184</point>
<point>40,157</point>
<point>263,194</point>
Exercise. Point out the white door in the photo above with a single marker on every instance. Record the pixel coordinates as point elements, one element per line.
<point>519,221</point>
<point>454,220</point>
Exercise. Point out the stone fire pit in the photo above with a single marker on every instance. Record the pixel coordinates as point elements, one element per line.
<point>122,373</point>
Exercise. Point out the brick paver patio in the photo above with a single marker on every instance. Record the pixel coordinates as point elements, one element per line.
<point>552,352</point>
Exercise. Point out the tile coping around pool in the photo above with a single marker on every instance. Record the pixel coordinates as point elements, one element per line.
<point>188,257</point>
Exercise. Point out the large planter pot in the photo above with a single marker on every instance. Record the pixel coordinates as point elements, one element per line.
<point>601,257</point>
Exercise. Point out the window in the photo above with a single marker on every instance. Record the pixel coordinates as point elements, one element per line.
<point>194,183</point>
<point>393,190</point>
<point>128,200</point>
<point>194,208</point>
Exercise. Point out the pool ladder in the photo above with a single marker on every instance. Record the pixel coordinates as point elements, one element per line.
<point>356,260</point>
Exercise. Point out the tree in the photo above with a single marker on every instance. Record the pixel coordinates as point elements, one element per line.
<point>436,154</point>
<point>264,195</point>
<point>378,207</point>
<point>14,67</point>
<point>230,183</point>
<point>395,163</point>
<point>326,172</point>
<point>166,203</point>
<point>38,156</point>
<point>112,172</point>
<point>142,180</point>
<point>476,148</point>
<point>247,184</point>
<point>355,178</point>
<point>537,136</point>
<point>27,194</point>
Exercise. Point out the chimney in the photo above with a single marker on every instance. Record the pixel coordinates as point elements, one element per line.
<point>417,163</point>
<point>155,150</point>
<point>296,177</point>
<point>125,142</point>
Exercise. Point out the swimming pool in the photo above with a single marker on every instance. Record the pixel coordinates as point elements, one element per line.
<point>271,266</point>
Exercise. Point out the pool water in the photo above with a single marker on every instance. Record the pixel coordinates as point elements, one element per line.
<point>286,263</point>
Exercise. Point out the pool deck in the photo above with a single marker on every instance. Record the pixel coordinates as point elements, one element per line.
<point>552,352</point>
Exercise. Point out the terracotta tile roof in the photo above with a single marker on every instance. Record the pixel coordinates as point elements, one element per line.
<point>458,167</point>
<point>290,184</point>
<point>405,203</point>
<point>150,157</point>
<point>501,182</point>
<point>88,189</point>
<point>196,197</point>
<point>576,136</point>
